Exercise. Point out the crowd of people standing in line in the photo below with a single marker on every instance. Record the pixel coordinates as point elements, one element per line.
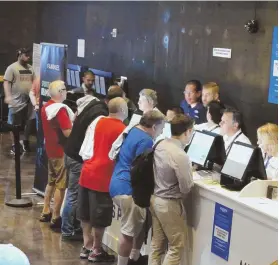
<point>89,156</point>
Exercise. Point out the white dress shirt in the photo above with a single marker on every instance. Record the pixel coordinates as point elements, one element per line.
<point>237,137</point>
<point>208,126</point>
<point>271,167</point>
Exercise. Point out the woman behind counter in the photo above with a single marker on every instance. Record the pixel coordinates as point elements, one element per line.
<point>268,142</point>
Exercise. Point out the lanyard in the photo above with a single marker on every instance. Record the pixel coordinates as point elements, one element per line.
<point>214,128</point>
<point>228,148</point>
<point>267,161</point>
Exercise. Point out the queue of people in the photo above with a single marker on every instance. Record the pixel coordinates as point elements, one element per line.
<point>90,153</point>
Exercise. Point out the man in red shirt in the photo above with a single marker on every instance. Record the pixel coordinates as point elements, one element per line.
<point>56,120</point>
<point>94,202</point>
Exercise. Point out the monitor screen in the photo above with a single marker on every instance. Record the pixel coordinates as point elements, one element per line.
<point>200,147</point>
<point>167,130</point>
<point>165,134</point>
<point>135,120</point>
<point>237,160</point>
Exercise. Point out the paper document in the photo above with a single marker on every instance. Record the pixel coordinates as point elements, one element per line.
<point>97,84</point>
<point>69,83</point>
<point>73,78</point>
<point>77,78</point>
<point>103,85</point>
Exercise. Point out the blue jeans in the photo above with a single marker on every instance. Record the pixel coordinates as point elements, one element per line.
<point>69,221</point>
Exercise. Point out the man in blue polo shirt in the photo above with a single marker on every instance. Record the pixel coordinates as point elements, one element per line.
<point>192,105</point>
<point>139,139</point>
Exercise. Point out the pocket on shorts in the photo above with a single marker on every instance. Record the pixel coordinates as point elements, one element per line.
<point>103,210</point>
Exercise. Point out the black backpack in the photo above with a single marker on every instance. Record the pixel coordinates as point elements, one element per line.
<point>142,177</point>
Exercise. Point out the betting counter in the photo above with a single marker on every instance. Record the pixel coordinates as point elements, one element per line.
<point>224,227</point>
<point>232,228</point>
<point>230,220</point>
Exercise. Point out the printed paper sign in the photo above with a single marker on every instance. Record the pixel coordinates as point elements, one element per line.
<point>221,235</point>
<point>81,48</point>
<point>222,52</point>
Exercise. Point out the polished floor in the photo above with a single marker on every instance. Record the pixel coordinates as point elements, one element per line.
<point>20,226</point>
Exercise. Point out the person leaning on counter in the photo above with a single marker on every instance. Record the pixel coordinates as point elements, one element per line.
<point>268,142</point>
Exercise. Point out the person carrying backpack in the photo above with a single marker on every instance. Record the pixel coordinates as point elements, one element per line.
<point>138,140</point>
<point>173,181</point>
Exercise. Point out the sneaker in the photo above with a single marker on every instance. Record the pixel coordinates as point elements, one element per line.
<point>84,253</point>
<point>103,256</point>
<point>45,217</point>
<point>143,260</point>
<point>55,224</point>
<point>12,151</point>
<point>74,237</point>
<point>26,146</point>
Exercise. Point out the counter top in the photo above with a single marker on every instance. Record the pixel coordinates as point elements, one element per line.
<point>261,209</point>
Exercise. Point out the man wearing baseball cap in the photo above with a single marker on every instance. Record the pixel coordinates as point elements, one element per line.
<point>18,80</point>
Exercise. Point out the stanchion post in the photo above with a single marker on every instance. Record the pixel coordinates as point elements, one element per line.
<point>16,133</point>
<point>18,201</point>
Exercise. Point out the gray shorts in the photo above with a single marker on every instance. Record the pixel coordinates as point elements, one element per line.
<point>94,207</point>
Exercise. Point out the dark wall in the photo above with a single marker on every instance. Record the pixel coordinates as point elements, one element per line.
<point>161,45</point>
<point>18,22</point>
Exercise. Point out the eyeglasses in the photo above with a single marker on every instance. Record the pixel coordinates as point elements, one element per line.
<point>189,93</point>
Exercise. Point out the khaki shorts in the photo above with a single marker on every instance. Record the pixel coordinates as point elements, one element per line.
<point>132,216</point>
<point>57,173</point>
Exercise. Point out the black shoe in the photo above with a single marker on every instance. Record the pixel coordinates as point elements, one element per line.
<point>143,260</point>
<point>26,146</point>
<point>84,253</point>
<point>45,217</point>
<point>55,224</point>
<point>78,231</point>
<point>103,256</point>
<point>74,237</point>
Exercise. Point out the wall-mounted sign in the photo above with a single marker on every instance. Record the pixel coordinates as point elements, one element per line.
<point>222,52</point>
<point>273,79</point>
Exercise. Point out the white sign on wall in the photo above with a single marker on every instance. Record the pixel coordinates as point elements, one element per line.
<point>81,48</point>
<point>222,52</point>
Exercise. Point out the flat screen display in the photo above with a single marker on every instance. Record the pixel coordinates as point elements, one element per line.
<point>200,147</point>
<point>237,161</point>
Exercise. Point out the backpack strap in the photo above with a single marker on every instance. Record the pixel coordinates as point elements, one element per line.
<point>154,147</point>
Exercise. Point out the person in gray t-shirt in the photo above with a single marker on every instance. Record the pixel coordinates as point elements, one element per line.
<point>18,80</point>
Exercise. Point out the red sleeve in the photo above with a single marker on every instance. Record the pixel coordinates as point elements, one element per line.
<point>63,119</point>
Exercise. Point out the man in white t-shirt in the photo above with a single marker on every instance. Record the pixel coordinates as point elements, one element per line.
<point>18,81</point>
<point>231,124</point>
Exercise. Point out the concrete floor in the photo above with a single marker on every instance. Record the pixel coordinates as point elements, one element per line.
<point>21,226</point>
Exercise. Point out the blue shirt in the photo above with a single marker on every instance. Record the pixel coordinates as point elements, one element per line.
<point>136,142</point>
<point>198,113</point>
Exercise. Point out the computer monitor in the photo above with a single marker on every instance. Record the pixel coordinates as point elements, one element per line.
<point>206,149</point>
<point>243,162</point>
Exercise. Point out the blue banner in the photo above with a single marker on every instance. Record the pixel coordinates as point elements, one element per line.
<point>221,235</point>
<point>53,67</point>
<point>273,80</point>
